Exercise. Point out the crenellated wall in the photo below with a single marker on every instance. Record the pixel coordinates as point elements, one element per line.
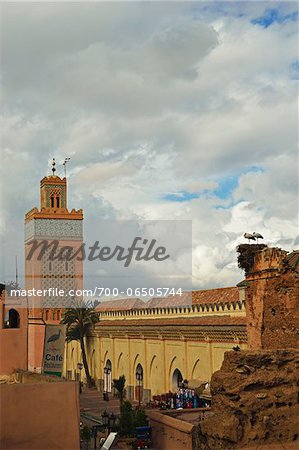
<point>272,300</point>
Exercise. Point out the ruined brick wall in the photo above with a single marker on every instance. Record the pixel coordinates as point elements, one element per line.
<point>254,401</point>
<point>255,394</point>
<point>272,300</point>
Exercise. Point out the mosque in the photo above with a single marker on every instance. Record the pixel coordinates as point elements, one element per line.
<point>156,344</point>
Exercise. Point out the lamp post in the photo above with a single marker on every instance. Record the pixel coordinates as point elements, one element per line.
<point>80,367</point>
<point>111,422</point>
<point>107,372</point>
<point>108,421</point>
<point>105,420</point>
<point>139,377</point>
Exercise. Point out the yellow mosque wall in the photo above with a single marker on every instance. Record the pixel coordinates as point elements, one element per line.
<point>195,349</point>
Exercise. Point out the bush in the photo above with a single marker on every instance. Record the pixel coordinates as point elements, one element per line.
<point>139,418</point>
<point>85,434</point>
<point>126,419</point>
<point>130,419</point>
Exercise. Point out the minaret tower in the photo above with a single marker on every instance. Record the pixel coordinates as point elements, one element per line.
<point>53,225</point>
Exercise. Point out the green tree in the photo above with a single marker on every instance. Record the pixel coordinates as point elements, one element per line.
<point>119,384</point>
<point>139,418</point>
<point>130,418</point>
<point>85,434</point>
<point>79,322</point>
<point>126,419</point>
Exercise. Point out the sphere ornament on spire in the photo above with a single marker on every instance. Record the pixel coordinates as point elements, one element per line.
<point>53,166</point>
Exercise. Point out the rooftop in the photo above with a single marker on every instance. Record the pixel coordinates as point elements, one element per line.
<point>122,304</point>
<point>207,296</point>
<point>189,321</point>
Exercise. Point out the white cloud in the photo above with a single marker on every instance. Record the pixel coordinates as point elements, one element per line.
<point>149,99</point>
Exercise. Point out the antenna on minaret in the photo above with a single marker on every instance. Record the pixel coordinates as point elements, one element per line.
<point>17,275</point>
<point>53,166</point>
<point>66,160</point>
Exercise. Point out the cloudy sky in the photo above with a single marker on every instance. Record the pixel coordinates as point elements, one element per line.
<point>170,110</point>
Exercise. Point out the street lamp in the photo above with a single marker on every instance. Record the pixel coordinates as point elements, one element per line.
<point>108,421</point>
<point>111,422</point>
<point>107,372</point>
<point>105,418</point>
<point>139,378</point>
<point>80,367</point>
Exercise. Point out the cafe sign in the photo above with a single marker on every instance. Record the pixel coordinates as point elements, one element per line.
<point>54,349</point>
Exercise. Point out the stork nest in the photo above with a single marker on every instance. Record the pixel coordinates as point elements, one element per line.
<point>246,254</point>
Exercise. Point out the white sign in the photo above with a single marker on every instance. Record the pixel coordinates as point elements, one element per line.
<point>54,349</point>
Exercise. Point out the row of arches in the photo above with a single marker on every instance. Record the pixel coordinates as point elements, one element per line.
<point>55,200</point>
<point>174,372</point>
<point>53,314</point>
<point>143,378</point>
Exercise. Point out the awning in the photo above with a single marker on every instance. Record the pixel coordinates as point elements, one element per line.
<point>206,394</point>
<point>197,383</point>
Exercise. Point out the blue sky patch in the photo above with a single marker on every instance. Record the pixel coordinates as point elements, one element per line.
<point>228,184</point>
<point>224,190</point>
<point>181,196</point>
<point>273,15</point>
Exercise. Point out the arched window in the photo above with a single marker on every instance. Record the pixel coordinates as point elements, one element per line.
<point>58,202</point>
<point>139,372</point>
<point>52,201</point>
<point>13,319</point>
<point>177,379</point>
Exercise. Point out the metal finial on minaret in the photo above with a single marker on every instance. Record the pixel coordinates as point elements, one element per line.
<point>66,160</point>
<point>17,275</point>
<point>53,166</point>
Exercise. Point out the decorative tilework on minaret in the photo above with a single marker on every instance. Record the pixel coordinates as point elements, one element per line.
<point>53,221</point>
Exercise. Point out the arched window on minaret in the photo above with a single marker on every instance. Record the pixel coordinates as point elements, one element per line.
<point>52,201</point>
<point>57,201</point>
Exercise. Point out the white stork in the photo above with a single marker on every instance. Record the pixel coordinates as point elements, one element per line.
<point>249,237</point>
<point>257,236</point>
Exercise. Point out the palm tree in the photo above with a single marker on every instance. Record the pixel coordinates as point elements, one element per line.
<point>79,322</point>
<point>119,384</point>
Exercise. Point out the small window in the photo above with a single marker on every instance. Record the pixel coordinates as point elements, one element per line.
<point>58,202</point>
<point>12,319</point>
<point>52,201</point>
